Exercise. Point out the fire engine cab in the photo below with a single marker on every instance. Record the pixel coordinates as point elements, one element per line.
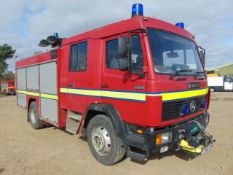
<point>7,87</point>
<point>134,87</point>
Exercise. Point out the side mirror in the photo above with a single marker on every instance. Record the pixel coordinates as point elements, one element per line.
<point>123,46</point>
<point>202,55</point>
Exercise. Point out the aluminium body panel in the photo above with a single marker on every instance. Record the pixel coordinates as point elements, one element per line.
<point>48,78</point>
<point>21,85</point>
<point>21,100</point>
<point>33,78</point>
<point>21,79</point>
<point>49,109</point>
<point>48,85</point>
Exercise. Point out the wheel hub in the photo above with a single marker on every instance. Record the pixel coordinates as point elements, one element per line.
<point>101,141</point>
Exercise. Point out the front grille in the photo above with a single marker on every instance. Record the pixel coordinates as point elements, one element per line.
<point>173,110</point>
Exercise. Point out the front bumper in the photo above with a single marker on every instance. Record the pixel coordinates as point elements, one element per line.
<point>146,143</point>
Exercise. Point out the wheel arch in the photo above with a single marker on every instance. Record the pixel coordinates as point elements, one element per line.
<point>30,100</point>
<point>108,110</point>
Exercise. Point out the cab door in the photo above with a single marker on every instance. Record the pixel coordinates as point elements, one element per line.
<point>125,90</point>
<point>77,77</point>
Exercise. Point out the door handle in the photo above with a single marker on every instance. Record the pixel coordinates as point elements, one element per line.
<point>70,85</point>
<point>139,87</point>
<point>104,86</point>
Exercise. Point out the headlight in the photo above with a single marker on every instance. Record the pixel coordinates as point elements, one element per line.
<point>162,138</point>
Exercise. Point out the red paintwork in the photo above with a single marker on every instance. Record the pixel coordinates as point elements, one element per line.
<point>10,86</point>
<point>140,113</point>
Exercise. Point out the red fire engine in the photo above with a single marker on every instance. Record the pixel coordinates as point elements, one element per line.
<point>134,87</point>
<point>8,87</point>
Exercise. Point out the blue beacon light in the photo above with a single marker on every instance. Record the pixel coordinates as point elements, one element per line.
<point>180,24</point>
<point>203,104</point>
<point>185,109</point>
<point>137,9</point>
<point>55,35</point>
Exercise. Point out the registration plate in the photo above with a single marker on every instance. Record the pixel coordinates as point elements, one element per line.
<point>207,148</point>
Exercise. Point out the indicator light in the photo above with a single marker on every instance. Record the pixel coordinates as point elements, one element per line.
<point>162,138</point>
<point>139,131</point>
<point>158,139</point>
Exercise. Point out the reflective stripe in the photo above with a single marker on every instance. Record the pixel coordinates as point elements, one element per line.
<point>21,92</point>
<point>50,96</point>
<point>28,93</point>
<point>33,93</point>
<point>136,96</point>
<point>167,96</point>
<point>108,94</point>
<point>181,95</point>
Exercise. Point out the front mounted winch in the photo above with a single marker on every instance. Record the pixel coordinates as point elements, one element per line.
<point>199,143</point>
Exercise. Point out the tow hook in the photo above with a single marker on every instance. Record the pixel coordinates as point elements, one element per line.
<point>198,144</point>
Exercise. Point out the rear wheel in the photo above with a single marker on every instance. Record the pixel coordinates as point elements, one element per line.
<point>33,115</point>
<point>105,146</point>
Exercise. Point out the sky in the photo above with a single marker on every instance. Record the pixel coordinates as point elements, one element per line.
<point>23,23</point>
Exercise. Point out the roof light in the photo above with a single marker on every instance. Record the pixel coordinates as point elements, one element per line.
<point>56,35</point>
<point>180,24</point>
<point>137,9</point>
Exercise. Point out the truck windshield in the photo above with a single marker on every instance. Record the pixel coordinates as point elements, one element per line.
<point>173,54</point>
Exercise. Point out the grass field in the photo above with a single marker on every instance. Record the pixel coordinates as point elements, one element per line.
<point>227,70</point>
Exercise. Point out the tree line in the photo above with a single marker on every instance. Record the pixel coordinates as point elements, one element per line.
<point>6,52</point>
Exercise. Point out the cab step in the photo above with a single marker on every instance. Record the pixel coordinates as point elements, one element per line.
<point>137,156</point>
<point>73,122</point>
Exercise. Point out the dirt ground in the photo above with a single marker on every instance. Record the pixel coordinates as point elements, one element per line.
<point>52,151</point>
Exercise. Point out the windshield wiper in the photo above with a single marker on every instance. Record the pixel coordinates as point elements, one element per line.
<point>182,70</point>
<point>176,77</point>
<point>200,72</point>
<point>200,75</point>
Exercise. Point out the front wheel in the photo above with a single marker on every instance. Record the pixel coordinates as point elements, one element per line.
<point>33,115</point>
<point>105,146</point>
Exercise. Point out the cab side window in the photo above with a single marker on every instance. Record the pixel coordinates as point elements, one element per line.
<point>78,57</point>
<point>136,54</point>
<point>113,60</point>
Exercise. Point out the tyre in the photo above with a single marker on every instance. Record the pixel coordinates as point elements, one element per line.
<point>33,115</point>
<point>212,90</point>
<point>104,145</point>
